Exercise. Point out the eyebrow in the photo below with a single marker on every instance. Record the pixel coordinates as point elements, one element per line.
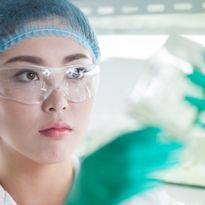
<point>39,61</point>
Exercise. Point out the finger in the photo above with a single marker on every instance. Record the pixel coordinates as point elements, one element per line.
<point>138,160</point>
<point>125,142</point>
<point>161,159</point>
<point>146,134</point>
<point>133,147</point>
<point>197,77</point>
<point>196,102</point>
<point>200,123</point>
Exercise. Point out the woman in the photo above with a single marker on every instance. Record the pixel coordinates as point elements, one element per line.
<point>48,75</point>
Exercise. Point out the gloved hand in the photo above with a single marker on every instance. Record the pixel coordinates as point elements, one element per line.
<point>123,168</point>
<point>198,79</point>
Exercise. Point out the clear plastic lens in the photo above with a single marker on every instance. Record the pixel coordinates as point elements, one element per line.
<point>76,73</point>
<point>33,85</point>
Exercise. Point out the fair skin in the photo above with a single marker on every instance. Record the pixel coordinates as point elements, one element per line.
<point>34,169</point>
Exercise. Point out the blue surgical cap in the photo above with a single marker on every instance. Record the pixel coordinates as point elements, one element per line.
<point>24,19</point>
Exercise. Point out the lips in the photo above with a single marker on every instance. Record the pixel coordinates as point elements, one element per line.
<point>56,130</point>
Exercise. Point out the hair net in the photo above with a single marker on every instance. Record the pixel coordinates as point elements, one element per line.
<point>23,19</point>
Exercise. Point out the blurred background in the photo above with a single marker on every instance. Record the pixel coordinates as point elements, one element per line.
<point>130,32</point>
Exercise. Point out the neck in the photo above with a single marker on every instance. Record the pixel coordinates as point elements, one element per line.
<point>35,184</point>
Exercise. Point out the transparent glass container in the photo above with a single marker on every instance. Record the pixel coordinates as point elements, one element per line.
<point>159,99</point>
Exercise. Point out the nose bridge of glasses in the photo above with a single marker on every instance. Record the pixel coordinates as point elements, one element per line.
<point>54,78</point>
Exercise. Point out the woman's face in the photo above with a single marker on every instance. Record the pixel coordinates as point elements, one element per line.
<point>21,124</point>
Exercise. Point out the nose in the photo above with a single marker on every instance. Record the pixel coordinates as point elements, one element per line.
<point>55,102</point>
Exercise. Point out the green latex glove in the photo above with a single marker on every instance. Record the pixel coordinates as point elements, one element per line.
<point>198,79</point>
<point>123,168</point>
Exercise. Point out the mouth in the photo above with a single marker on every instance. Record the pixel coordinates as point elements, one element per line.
<point>56,130</point>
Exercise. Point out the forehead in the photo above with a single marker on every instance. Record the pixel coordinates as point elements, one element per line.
<point>51,49</point>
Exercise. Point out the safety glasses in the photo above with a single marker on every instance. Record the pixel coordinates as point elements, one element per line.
<point>33,84</point>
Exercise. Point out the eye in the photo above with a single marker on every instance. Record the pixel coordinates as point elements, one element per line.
<point>76,73</point>
<point>27,76</point>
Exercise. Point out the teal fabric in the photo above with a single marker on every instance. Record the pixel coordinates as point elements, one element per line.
<point>23,19</point>
<point>197,78</point>
<point>123,168</point>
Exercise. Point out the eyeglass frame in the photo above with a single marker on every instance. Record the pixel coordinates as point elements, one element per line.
<point>93,70</point>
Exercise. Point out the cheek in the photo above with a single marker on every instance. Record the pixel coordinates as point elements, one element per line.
<point>16,118</point>
<point>81,115</point>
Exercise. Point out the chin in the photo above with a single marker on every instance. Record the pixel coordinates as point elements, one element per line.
<point>52,157</point>
<point>51,160</point>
